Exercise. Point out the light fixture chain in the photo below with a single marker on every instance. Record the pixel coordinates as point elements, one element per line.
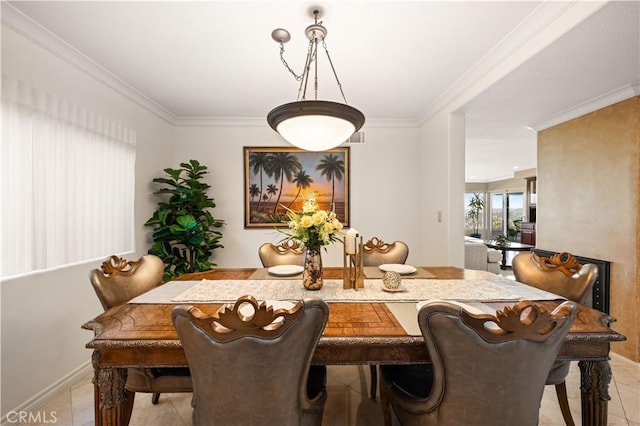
<point>324,44</point>
<point>311,57</point>
<point>297,77</point>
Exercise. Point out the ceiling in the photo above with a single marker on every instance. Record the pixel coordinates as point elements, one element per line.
<point>398,62</point>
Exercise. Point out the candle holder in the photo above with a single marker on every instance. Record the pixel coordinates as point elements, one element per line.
<point>353,273</point>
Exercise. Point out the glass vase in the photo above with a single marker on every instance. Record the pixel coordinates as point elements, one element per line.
<point>312,274</point>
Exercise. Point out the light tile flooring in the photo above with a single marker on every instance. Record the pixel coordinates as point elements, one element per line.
<point>348,403</point>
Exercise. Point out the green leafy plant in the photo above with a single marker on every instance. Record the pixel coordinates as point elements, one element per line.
<point>476,204</point>
<point>502,240</point>
<point>184,230</point>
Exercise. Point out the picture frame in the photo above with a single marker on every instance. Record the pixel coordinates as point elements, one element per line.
<point>281,178</point>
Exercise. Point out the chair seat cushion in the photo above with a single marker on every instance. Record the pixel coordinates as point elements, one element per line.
<point>171,371</point>
<point>415,379</point>
<point>159,380</point>
<point>558,373</point>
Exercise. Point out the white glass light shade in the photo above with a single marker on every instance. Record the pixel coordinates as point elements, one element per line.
<point>315,125</point>
<point>315,132</point>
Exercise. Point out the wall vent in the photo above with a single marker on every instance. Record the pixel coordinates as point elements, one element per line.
<point>356,139</point>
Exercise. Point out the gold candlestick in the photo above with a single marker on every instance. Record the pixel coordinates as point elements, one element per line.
<point>353,274</point>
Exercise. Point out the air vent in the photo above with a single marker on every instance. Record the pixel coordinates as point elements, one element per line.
<point>356,139</point>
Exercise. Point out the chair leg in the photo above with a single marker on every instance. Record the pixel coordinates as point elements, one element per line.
<point>155,398</point>
<point>561,393</point>
<point>374,380</point>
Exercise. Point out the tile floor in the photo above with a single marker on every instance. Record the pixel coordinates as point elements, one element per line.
<point>348,403</point>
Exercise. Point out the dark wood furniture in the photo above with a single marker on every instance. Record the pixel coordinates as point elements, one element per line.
<point>528,233</point>
<point>531,198</point>
<point>356,333</point>
<point>513,246</point>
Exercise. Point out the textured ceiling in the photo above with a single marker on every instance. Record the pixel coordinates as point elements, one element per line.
<point>396,60</point>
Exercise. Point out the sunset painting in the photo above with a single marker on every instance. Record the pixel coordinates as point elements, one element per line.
<point>277,179</point>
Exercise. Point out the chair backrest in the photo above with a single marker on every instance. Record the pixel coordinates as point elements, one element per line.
<point>251,369</point>
<point>495,373</point>
<point>117,281</point>
<point>290,252</point>
<point>561,274</point>
<point>377,252</point>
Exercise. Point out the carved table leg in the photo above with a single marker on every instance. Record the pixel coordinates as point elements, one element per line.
<point>594,386</point>
<point>112,402</point>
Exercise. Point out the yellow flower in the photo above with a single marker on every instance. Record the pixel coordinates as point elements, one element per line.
<point>312,226</point>
<point>306,221</point>
<point>319,217</point>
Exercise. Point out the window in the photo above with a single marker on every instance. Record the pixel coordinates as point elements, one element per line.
<point>506,214</point>
<point>67,182</point>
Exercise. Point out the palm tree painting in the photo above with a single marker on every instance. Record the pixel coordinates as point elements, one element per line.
<point>278,178</point>
<point>302,181</point>
<point>332,168</point>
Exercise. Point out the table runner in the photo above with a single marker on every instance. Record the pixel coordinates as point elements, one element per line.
<point>369,272</point>
<point>375,272</point>
<point>211,291</point>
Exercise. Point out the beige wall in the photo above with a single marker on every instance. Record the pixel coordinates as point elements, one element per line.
<point>588,186</point>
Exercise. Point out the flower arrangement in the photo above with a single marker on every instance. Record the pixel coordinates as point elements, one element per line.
<point>312,226</point>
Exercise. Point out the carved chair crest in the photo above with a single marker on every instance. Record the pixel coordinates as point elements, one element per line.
<point>287,246</point>
<point>525,320</point>
<point>115,265</point>
<point>563,262</point>
<point>375,244</point>
<point>229,323</point>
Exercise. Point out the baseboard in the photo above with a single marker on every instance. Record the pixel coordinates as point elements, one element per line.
<point>39,400</point>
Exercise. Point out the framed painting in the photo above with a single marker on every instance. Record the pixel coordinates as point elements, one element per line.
<point>281,178</point>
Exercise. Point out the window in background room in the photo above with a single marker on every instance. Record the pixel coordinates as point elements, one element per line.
<point>515,214</point>
<point>507,209</point>
<point>497,214</point>
<point>67,182</point>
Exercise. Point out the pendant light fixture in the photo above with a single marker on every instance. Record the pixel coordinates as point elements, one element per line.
<point>313,125</point>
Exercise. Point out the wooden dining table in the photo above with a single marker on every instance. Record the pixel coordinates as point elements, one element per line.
<point>142,335</point>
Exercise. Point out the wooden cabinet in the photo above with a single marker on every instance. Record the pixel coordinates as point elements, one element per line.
<point>531,198</point>
<point>528,235</point>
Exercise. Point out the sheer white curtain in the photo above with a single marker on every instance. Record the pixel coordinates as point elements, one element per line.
<point>67,182</point>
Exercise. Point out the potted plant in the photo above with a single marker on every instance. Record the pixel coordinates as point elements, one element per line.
<point>502,241</point>
<point>184,230</point>
<point>476,204</point>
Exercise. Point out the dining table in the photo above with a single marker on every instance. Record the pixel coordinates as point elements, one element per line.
<point>365,326</point>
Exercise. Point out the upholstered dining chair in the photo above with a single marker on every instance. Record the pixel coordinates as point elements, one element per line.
<point>116,282</point>
<point>375,253</point>
<point>485,369</point>
<point>563,275</point>
<point>251,364</point>
<point>289,252</point>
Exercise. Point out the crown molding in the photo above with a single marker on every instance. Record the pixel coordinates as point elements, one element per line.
<point>27,27</point>
<point>187,121</point>
<point>599,102</point>
<point>542,18</point>
<point>262,122</point>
